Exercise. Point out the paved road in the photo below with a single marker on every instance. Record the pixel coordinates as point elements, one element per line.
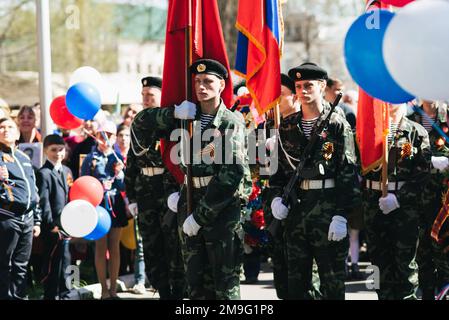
<point>264,289</point>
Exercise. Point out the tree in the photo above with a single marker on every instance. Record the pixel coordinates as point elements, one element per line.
<point>228,16</point>
<point>16,34</point>
<point>82,33</point>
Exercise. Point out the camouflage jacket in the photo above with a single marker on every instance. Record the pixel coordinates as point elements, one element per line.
<point>144,152</point>
<point>409,162</point>
<point>225,140</point>
<point>438,146</point>
<point>333,158</point>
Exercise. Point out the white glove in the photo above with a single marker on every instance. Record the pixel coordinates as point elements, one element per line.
<point>120,176</point>
<point>190,227</point>
<point>185,111</point>
<point>270,143</point>
<point>337,229</point>
<point>172,201</point>
<point>440,163</point>
<point>388,203</point>
<point>278,209</point>
<point>133,209</point>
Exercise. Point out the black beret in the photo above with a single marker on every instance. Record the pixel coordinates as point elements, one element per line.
<point>287,82</point>
<point>308,71</point>
<point>53,139</point>
<point>209,66</point>
<point>152,82</point>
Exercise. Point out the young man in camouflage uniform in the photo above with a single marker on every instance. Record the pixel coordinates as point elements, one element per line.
<point>212,249</point>
<point>392,221</point>
<point>315,226</point>
<point>433,263</point>
<point>148,184</point>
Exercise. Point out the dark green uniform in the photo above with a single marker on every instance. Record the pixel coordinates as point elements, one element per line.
<point>212,257</point>
<point>157,224</point>
<point>392,237</point>
<point>307,224</point>
<point>275,246</point>
<point>433,263</point>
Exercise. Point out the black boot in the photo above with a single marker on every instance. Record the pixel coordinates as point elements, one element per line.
<point>355,272</point>
<point>165,293</point>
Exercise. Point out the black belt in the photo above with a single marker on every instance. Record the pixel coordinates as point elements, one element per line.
<point>11,214</point>
<point>7,213</point>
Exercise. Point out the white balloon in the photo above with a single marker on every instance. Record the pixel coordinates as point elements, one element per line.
<point>79,218</point>
<point>416,49</point>
<point>101,118</point>
<point>89,75</point>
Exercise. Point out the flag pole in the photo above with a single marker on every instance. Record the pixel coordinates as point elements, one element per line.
<point>188,90</point>
<point>384,180</point>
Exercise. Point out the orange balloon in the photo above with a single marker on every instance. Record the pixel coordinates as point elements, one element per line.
<point>87,188</point>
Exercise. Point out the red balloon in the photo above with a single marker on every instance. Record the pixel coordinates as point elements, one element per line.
<point>397,3</point>
<point>61,115</point>
<point>87,188</point>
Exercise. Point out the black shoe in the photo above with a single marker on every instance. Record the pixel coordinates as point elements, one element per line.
<point>355,272</point>
<point>250,281</point>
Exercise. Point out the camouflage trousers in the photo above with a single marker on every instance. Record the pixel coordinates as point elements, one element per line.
<point>162,250</point>
<point>306,239</point>
<point>276,250</point>
<point>392,241</point>
<point>433,265</point>
<point>213,257</point>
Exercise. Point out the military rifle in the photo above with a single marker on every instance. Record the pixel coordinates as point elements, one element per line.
<point>289,196</point>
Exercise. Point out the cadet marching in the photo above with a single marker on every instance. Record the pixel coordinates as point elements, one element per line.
<point>195,248</point>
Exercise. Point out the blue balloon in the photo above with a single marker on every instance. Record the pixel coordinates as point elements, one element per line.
<point>364,57</point>
<point>83,100</point>
<point>103,225</point>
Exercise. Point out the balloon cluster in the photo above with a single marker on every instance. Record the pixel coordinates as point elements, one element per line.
<point>395,57</point>
<point>82,217</point>
<point>82,101</point>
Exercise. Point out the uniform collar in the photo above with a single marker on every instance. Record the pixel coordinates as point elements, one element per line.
<point>55,166</point>
<point>324,112</point>
<point>442,111</point>
<point>220,113</point>
<point>7,149</point>
<point>405,125</point>
<point>218,116</point>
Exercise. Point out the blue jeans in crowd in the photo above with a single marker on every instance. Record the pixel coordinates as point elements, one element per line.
<point>139,263</point>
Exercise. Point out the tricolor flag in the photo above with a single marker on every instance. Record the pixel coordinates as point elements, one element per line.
<point>259,46</point>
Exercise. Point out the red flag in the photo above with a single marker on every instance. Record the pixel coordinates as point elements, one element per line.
<point>372,119</point>
<point>372,125</point>
<point>207,42</point>
<point>258,50</point>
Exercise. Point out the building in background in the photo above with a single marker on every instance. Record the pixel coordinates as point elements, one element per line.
<point>124,40</point>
